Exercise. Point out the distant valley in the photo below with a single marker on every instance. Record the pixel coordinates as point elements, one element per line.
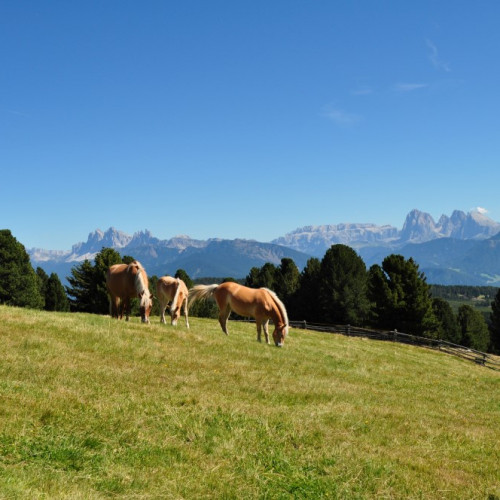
<point>463,248</point>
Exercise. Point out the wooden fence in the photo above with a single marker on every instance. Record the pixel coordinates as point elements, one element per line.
<point>478,357</point>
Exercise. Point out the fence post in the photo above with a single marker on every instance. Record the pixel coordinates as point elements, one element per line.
<point>348,330</point>
<point>304,325</point>
<point>394,335</point>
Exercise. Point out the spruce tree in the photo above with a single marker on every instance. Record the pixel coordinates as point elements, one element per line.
<point>401,297</point>
<point>474,329</point>
<point>55,295</point>
<point>447,325</point>
<point>19,284</point>
<point>43,279</point>
<point>495,324</point>
<point>343,287</point>
<point>305,302</point>
<point>286,280</point>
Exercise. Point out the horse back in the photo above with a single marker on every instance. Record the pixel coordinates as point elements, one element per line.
<point>245,301</point>
<point>120,282</point>
<point>165,288</point>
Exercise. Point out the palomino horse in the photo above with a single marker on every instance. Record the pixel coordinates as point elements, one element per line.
<point>174,290</point>
<point>124,282</point>
<point>259,303</point>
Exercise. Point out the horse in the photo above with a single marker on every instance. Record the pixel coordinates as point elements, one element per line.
<point>259,303</point>
<point>125,282</point>
<point>174,290</point>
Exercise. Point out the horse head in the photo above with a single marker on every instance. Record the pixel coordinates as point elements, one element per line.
<point>175,312</point>
<point>146,304</point>
<point>279,334</point>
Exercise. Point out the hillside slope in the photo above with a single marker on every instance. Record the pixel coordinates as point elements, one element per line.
<point>93,407</point>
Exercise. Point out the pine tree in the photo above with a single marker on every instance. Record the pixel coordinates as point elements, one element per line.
<point>305,301</point>
<point>55,295</point>
<point>19,284</point>
<point>495,324</point>
<point>286,280</point>
<point>401,297</point>
<point>448,328</point>
<point>263,277</point>
<point>474,329</point>
<point>43,279</point>
<point>343,287</point>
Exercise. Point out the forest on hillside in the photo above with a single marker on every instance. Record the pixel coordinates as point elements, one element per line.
<point>337,289</point>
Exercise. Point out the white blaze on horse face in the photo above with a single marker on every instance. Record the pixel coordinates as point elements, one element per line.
<point>146,306</point>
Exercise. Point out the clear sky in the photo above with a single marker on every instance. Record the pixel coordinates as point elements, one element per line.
<point>244,119</point>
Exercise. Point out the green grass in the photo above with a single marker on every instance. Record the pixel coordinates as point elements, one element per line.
<point>95,408</point>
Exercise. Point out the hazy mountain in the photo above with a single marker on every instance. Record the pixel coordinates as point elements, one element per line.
<point>316,240</point>
<point>214,257</point>
<point>461,249</point>
<point>372,240</point>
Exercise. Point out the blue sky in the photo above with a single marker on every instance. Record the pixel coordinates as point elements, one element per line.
<point>244,119</point>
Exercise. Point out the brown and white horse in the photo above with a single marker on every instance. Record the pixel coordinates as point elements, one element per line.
<point>172,290</point>
<point>259,303</point>
<point>125,282</point>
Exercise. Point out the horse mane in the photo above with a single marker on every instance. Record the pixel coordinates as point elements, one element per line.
<point>139,283</point>
<point>280,305</point>
<point>173,307</point>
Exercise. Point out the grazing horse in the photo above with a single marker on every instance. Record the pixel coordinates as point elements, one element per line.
<point>174,290</point>
<point>125,282</point>
<point>259,303</point>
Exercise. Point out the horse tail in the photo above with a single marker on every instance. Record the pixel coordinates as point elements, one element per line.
<point>280,306</point>
<point>173,307</point>
<point>201,292</point>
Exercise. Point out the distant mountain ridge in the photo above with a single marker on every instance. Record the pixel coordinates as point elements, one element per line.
<point>419,227</point>
<point>461,249</point>
<point>199,258</point>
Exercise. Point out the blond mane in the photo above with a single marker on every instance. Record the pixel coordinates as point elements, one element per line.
<point>141,286</point>
<point>173,307</point>
<point>280,305</point>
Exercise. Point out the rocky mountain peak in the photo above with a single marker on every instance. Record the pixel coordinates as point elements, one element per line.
<point>419,227</point>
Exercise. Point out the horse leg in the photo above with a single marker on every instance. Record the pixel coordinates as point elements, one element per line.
<point>259,328</point>
<point>114,304</point>
<point>126,308</point>
<point>266,331</point>
<point>162,312</point>
<point>186,312</point>
<point>223,315</point>
<point>119,308</point>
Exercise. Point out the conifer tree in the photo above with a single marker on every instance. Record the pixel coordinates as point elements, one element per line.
<point>43,279</point>
<point>286,280</point>
<point>495,324</point>
<point>401,297</point>
<point>447,325</point>
<point>343,287</point>
<point>474,329</point>
<point>305,301</point>
<point>55,295</point>
<point>19,284</point>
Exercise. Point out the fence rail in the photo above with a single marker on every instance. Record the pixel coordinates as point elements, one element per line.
<point>478,357</point>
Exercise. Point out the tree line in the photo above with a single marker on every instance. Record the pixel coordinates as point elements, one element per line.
<point>337,289</point>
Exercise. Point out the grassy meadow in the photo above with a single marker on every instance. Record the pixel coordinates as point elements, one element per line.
<point>95,408</point>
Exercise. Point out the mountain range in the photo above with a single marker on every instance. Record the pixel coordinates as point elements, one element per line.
<point>461,249</point>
